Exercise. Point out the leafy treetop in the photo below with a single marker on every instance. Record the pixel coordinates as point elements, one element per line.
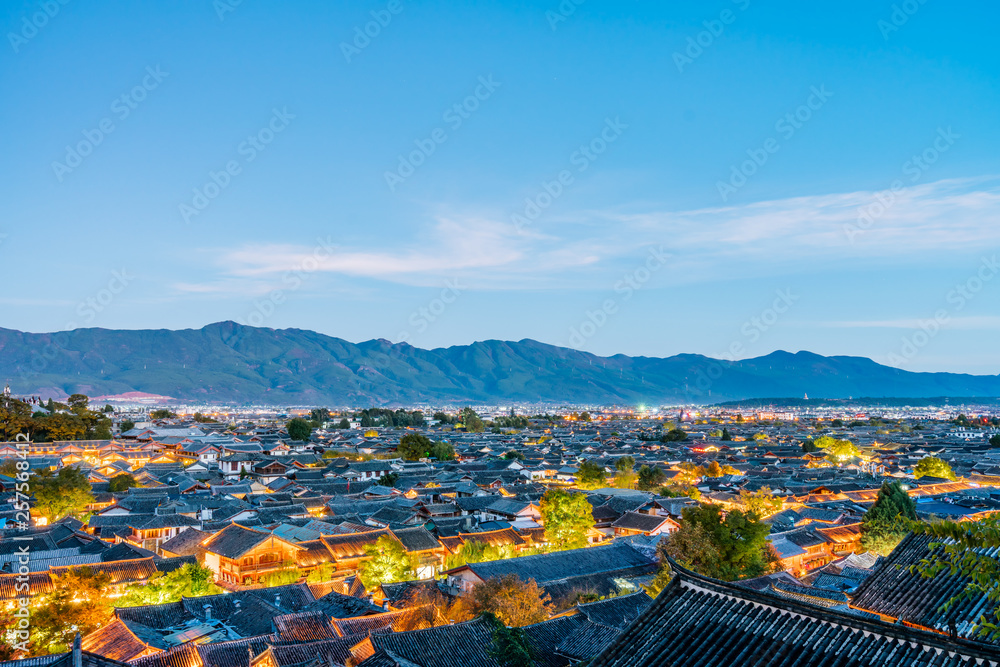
<point>728,548</point>
<point>61,494</point>
<point>931,466</point>
<point>568,518</point>
<point>386,562</point>
<point>514,602</point>
<point>298,429</point>
<point>888,520</point>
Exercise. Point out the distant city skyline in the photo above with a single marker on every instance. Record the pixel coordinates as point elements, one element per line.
<point>726,179</point>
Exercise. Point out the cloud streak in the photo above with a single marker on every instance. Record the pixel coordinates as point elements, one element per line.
<point>763,238</point>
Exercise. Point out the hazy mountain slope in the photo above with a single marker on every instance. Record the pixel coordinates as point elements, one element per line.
<point>227,362</point>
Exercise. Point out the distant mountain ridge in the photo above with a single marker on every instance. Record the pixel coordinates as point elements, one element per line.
<point>227,362</point>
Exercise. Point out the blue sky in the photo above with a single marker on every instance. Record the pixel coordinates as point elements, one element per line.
<point>725,178</point>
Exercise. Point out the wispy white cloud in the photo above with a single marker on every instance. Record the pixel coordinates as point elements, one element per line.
<point>921,217</point>
<point>456,246</point>
<point>761,238</point>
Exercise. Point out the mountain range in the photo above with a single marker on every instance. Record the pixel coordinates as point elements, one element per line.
<point>231,363</point>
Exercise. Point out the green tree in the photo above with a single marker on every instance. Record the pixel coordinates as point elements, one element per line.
<point>471,421</point>
<point>650,477</point>
<point>386,562</point>
<point>475,551</point>
<point>679,490</point>
<point>842,449</point>
<point>585,416</point>
<point>725,435</point>
<point>126,425</point>
<point>512,455</point>
<point>162,413</point>
<point>625,463</point>
<point>518,422</point>
<point>321,573</point>
<point>931,466</point>
<point>15,419</point>
<point>78,404</point>
<point>205,419</point>
<point>66,493</point>
<point>96,426</point>
<point>122,482</point>
<point>690,472</point>
<point>319,416</point>
<point>298,429</point>
<point>80,602</point>
<point>188,581</point>
<point>514,602</point>
<point>663,575</point>
<point>442,451</point>
<point>888,520</point>
<point>344,424</point>
<point>568,518</point>
<point>995,440</point>
<point>413,447</point>
<point>674,435</point>
<point>625,477</point>
<point>62,426</point>
<point>835,448</point>
<point>441,418</point>
<point>388,480</point>
<point>762,503</point>
<point>510,645</point>
<point>590,476</point>
<point>282,577</point>
<point>713,469</point>
<point>728,548</point>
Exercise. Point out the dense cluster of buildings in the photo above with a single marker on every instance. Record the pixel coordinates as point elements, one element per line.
<point>248,502</point>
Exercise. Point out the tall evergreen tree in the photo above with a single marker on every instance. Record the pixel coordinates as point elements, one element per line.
<point>887,521</point>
